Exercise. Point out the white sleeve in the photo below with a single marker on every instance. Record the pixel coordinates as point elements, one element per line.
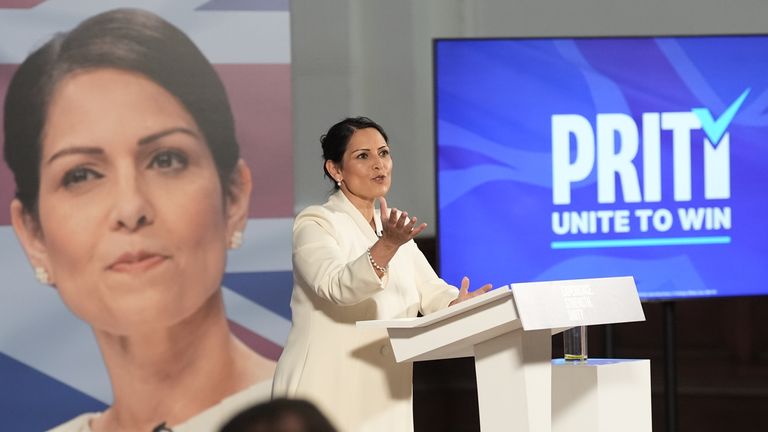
<point>321,265</point>
<point>435,293</point>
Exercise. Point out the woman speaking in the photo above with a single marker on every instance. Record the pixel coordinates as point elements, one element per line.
<point>352,263</point>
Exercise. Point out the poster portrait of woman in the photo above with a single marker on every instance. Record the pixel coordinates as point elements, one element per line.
<point>136,150</point>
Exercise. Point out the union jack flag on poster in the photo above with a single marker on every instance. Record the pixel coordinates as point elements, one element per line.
<point>248,41</point>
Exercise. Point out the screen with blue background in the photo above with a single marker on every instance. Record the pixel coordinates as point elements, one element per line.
<point>567,158</point>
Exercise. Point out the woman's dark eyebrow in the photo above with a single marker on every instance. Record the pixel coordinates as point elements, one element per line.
<point>88,150</point>
<point>75,150</point>
<point>156,136</point>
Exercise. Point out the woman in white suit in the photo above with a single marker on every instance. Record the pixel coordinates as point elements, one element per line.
<point>353,263</point>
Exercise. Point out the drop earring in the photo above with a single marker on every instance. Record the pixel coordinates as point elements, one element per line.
<point>237,240</point>
<point>338,183</point>
<point>42,275</point>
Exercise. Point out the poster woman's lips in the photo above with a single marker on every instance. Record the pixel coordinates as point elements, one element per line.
<point>130,262</point>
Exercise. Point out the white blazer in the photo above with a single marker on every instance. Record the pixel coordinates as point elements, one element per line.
<point>350,373</point>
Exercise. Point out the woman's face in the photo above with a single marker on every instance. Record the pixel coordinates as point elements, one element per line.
<point>133,228</point>
<point>366,167</point>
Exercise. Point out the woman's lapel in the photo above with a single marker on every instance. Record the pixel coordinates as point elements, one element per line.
<point>339,201</point>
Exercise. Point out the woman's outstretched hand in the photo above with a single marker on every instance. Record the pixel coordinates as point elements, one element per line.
<point>464,293</point>
<point>398,229</point>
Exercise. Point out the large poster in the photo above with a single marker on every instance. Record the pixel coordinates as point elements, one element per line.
<point>51,369</point>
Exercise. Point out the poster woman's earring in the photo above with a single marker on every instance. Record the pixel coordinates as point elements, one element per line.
<point>237,240</point>
<point>42,275</point>
<point>338,183</point>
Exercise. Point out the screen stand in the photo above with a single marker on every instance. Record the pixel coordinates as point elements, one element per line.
<point>670,370</point>
<point>608,329</point>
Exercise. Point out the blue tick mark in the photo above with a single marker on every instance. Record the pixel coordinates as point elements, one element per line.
<point>716,128</point>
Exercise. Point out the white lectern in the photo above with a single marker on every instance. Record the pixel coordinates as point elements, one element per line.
<point>508,333</point>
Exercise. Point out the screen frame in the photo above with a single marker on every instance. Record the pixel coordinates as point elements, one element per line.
<point>435,127</point>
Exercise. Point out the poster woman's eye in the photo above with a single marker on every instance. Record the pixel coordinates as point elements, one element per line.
<point>169,160</point>
<point>79,175</point>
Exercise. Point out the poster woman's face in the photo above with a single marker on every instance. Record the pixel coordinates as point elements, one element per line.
<point>133,228</point>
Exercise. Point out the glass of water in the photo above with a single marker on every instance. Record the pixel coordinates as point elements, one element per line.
<point>575,343</point>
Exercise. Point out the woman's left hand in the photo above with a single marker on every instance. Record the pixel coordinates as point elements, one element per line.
<point>464,293</point>
<point>397,228</point>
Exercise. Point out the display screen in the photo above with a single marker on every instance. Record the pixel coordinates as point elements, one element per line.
<point>565,158</point>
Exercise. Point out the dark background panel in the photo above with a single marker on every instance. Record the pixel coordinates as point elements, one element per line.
<point>722,353</point>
